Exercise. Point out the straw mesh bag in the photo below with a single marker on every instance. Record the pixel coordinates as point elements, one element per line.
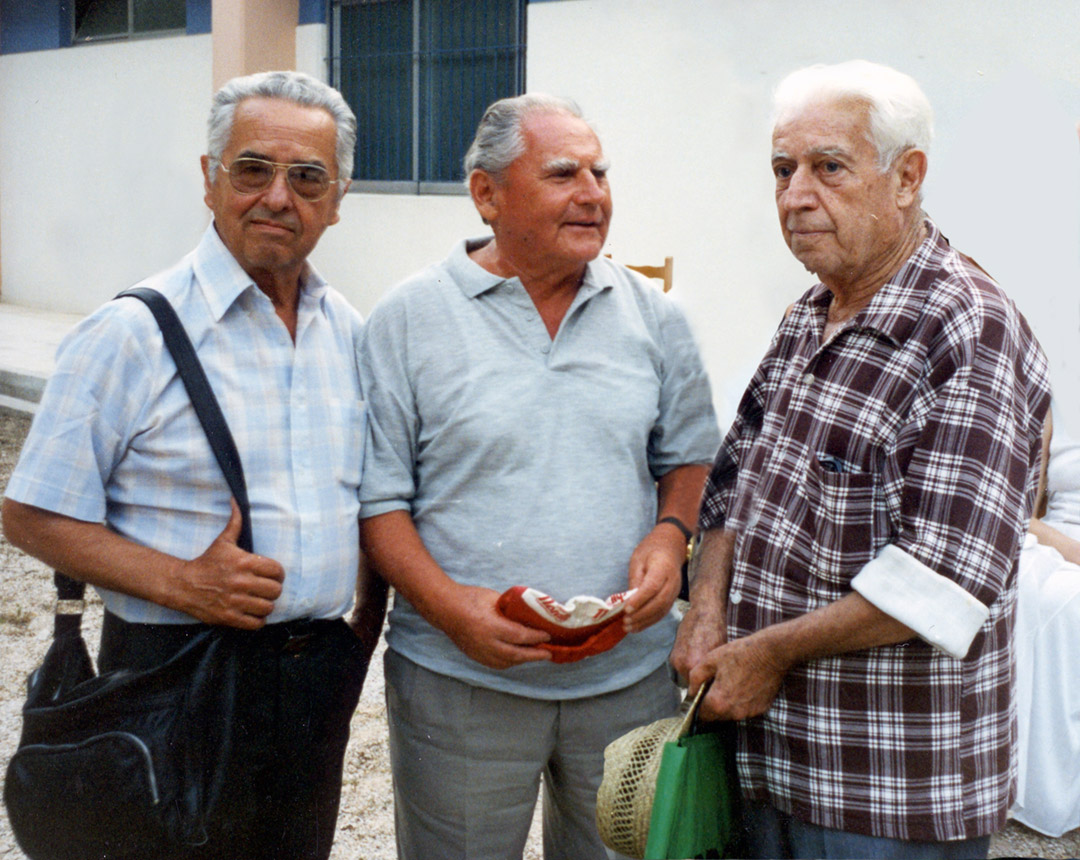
<point>624,801</point>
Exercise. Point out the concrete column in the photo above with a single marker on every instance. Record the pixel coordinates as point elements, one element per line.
<point>253,36</point>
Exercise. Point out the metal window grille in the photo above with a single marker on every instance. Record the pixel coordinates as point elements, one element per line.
<point>92,20</point>
<point>419,74</point>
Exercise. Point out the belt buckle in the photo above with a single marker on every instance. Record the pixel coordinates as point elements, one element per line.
<point>298,637</point>
<point>296,642</point>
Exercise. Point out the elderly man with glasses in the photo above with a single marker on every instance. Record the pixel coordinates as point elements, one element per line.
<point>118,487</point>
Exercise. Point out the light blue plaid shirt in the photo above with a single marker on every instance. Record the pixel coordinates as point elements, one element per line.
<point>116,439</point>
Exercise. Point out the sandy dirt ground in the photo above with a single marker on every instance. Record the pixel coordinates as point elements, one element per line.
<point>366,822</point>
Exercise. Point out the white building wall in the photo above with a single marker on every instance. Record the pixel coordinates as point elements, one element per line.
<point>680,92</point>
<point>99,166</point>
<point>100,184</point>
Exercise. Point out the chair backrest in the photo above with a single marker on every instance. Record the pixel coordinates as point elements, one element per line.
<point>664,273</point>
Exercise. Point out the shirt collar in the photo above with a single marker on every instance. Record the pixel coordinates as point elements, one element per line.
<point>474,279</point>
<point>223,280</point>
<point>598,277</point>
<point>894,309</point>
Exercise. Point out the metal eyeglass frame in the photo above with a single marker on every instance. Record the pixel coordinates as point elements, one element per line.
<point>278,165</point>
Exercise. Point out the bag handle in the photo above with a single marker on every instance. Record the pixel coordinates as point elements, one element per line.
<point>689,723</point>
<point>70,592</point>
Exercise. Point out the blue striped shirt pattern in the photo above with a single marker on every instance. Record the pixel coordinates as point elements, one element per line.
<point>116,439</point>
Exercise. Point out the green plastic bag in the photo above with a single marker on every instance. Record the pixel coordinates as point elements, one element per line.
<point>692,810</point>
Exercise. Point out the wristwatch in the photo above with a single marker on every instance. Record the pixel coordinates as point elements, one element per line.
<point>684,589</point>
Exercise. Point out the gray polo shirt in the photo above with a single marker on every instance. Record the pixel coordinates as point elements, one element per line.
<point>527,460</point>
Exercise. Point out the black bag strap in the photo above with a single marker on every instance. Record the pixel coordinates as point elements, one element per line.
<point>202,398</point>
<point>69,591</point>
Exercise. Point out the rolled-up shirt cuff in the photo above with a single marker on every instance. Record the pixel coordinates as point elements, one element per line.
<point>377,508</point>
<point>936,608</point>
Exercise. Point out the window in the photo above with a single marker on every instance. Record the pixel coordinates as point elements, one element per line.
<point>120,19</point>
<point>419,74</point>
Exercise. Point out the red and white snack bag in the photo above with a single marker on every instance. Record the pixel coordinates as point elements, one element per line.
<point>579,628</point>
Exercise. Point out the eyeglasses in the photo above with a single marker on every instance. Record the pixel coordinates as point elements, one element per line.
<point>252,175</point>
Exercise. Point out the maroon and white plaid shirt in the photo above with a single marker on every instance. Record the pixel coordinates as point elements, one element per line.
<point>915,430</point>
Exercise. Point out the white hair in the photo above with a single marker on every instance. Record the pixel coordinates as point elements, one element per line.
<point>291,86</point>
<point>499,139</point>
<point>900,115</point>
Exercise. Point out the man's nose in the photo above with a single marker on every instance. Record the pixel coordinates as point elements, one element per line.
<point>278,194</point>
<point>801,191</point>
<point>589,188</point>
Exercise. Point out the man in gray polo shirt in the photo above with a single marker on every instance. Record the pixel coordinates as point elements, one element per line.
<point>541,418</point>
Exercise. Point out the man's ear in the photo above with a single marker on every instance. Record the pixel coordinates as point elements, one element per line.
<point>483,189</point>
<point>335,215</point>
<point>910,171</point>
<point>207,184</point>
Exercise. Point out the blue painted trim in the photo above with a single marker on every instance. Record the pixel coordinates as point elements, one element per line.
<point>198,16</point>
<point>313,11</point>
<point>37,26</point>
<point>43,25</point>
<point>64,18</point>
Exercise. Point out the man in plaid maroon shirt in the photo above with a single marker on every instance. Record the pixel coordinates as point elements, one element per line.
<point>853,595</point>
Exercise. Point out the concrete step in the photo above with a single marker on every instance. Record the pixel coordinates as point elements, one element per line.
<point>28,341</point>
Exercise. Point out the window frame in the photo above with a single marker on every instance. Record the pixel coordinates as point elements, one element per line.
<point>414,186</point>
<point>131,33</point>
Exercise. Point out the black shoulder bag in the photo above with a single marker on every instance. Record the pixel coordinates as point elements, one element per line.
<point>131,764</point>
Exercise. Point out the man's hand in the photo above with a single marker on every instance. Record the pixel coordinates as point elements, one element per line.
<point>702,629</point>
<point>656,573</point>
<point>474,624</point>
<point>747,672</point>
<point>369,609</point>
<point>465,613</point>
<point>656,563</point>
<point>745,677</point>
<point>704,626</point>
<point>226,585</point>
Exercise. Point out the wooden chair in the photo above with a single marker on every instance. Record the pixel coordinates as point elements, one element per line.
<point>663,273</point>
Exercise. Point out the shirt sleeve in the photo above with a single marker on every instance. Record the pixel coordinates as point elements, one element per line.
<point>965,467</point>
<point>391,450</point>
<point>82,426</point>
<point>686,429</point>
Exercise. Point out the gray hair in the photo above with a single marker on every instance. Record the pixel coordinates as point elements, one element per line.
<point>498,138</point>
<point>900,115</point>
<point>294,87</point>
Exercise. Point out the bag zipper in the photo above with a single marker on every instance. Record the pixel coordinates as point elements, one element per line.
<point>139,743</point>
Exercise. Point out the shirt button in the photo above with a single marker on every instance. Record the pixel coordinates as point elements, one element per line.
<point>809,379</point>
<point>735,597</point>
<point>546,348</point>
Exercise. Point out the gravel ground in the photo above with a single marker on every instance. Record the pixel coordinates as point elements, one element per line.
<point>366,824</point>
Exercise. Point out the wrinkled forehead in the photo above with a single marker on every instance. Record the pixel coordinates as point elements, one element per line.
<point>260,118</point>
<point>841,124</point>
<point>552,135</point>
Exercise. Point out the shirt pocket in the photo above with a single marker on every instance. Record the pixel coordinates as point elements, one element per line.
<point>843,516</point>
<point>347,433</point>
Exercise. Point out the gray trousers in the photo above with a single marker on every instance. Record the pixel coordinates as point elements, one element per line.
<point>466,763</point>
